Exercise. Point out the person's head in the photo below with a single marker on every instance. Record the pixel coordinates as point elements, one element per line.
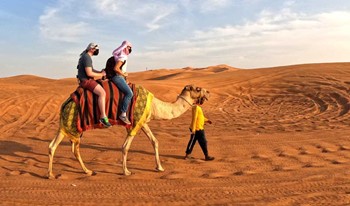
<point>128,47</point>
<point>123,51</point>
<point>93,49</point>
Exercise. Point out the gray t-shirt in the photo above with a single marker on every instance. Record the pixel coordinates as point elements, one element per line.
<point>84,61</point>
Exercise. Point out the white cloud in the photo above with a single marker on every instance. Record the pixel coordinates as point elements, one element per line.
<point>211,5</point>
<point>71,19</point>
<point>54,25</point>
<point>273,39</point>
<point>110,7</point>
<point>289,3</point>
<point>156,22</point>
<point>204,6</point>
<point>148,14</point>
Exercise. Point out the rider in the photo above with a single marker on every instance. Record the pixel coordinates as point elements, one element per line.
<point>87,76</point>
<point>119,78</point>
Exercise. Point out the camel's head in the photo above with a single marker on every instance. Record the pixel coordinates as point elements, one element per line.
<point>195,93</point>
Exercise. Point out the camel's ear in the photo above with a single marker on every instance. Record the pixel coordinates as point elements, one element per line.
<point>189,87</point>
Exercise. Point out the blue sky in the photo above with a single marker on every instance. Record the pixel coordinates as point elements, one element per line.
<point>45,38</point>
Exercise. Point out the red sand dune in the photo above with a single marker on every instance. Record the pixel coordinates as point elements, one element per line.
<point>280,136</point>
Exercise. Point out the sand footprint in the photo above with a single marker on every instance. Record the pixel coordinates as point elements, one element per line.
<point>13,173</point>
<point>174,175</point>
<point>216,174</point>
<point>343,147</point>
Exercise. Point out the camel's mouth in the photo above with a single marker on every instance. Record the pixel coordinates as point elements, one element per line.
<point>205,97</point>
<point>206,94</point>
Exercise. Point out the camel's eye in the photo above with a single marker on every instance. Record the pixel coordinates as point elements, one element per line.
<point>198,89</point>
<point>189,88</point>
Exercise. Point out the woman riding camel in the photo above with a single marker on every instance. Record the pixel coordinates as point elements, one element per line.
<point>119,78</point>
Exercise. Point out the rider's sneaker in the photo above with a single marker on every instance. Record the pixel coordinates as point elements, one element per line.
<point>124,119</point>
<point>105,122</point>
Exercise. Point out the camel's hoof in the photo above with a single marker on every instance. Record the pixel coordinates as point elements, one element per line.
<point>160,169</point>
<point>50,176</point>
<point>127,173</point>
<point>90,173</point>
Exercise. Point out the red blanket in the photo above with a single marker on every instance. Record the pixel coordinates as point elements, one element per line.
<point>89,114</point>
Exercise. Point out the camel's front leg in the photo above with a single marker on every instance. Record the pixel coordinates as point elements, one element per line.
<point>52,148</point>
<point>154,142</point>
<point>125,149</point>
<point>76,151</point>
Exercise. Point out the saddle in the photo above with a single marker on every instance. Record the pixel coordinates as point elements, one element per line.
<point>88,111</point>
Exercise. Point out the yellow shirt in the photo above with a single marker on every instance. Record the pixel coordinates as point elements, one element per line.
<point>198,119</point>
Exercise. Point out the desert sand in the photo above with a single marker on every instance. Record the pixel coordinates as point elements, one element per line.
<point>280,136</point>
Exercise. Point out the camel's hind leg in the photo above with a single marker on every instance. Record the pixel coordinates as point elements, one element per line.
<point>154,142</point>
<point>125,149</point>
<point>52,148</point>
<point>76,151</point>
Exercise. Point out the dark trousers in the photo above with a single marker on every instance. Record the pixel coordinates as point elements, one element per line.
<point>200,136</point>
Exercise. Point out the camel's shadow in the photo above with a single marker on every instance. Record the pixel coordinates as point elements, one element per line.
<point>11,148</point>
<point>82,145</point>
<point>23,159</point>
<point>19,158</point>
<point>104,148</point>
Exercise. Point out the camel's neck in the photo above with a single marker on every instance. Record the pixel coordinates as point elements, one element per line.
<point>166,110</point>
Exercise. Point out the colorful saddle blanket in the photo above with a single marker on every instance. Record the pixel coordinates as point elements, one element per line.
<point>88,111</point>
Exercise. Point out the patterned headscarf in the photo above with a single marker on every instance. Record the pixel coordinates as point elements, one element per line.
<point>121,53</point>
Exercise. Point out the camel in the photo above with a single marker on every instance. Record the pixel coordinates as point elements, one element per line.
<point>157,110</point>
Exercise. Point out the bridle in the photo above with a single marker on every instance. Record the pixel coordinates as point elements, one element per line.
<point>180,96</point>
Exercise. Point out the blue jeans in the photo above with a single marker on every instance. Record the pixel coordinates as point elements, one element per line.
<point>125,89</point>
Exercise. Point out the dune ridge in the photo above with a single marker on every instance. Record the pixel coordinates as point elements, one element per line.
<point>280,136</point>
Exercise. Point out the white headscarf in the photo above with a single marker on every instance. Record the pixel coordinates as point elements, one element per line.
<point>121,53</point>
